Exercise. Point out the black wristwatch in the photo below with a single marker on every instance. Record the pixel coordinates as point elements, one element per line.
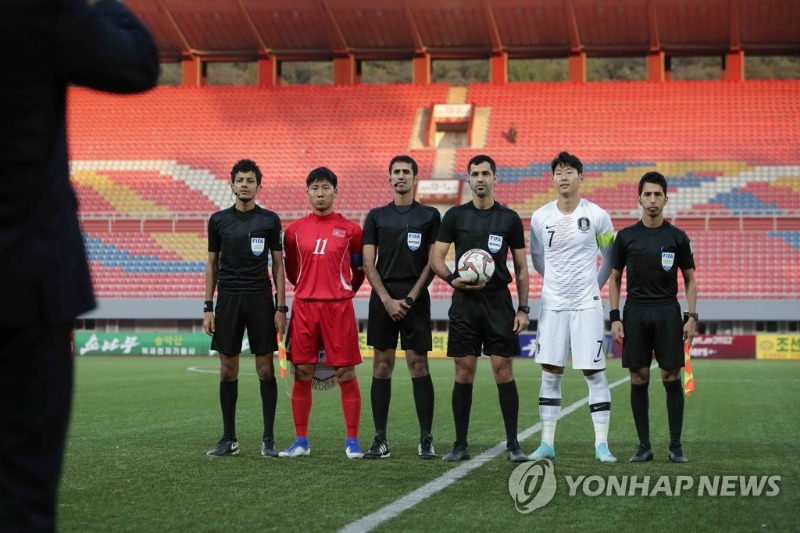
<point>281,308</point>
<point>524,309</point>
<point>409,301</point>
<point>687,315</point>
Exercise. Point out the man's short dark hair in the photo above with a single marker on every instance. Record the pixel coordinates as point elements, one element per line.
<point>246,165</point>
<point>653,177</point>
<point>566,159</point>
<point>482,158</point>
<point>322,174</point>
<point>404,159</point>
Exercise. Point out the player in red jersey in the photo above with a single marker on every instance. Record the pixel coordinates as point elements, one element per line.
<point>323,262</point>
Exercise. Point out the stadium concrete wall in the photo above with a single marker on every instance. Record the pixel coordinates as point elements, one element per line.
<point>152,309</point>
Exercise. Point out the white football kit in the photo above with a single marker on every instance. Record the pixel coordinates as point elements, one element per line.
<point>564,248</point>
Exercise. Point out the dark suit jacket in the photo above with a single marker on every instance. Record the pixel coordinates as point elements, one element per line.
<point>48,44</point>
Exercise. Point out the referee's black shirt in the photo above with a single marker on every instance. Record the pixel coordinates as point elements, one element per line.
<point>652,257</point>
<point>402,235</point>
<point>495,230</point>
<point>244,240</point>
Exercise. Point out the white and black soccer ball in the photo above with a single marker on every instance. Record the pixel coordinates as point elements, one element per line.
<point>476,266</point>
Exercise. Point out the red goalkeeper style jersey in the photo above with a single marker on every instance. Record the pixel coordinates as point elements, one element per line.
<point>321,254</point>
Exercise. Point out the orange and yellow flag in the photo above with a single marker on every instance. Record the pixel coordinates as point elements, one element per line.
<point>282,355</point>
<point>688,385</point>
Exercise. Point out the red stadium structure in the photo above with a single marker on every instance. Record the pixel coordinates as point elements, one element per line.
<point>149,169</point>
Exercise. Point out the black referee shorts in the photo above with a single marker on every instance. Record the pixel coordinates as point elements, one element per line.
<point>652,329</point>
<point>235,312</point>
<point>482,322</point>
<point>414,329</point>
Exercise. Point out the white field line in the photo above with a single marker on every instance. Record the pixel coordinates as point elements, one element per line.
<point>371,521</point>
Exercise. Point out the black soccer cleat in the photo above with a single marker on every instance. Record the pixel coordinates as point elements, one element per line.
<point>676,455</point>
<point>515,453</point>
<point>268,448</point>
<point>378,450</point>
<point>643,453</point>
<point>460,452</point>
<point>225,447</point>
<point>425,449</point>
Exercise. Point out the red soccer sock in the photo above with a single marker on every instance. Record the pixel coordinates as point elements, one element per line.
<point>351,405</point>
<point>301,406</point>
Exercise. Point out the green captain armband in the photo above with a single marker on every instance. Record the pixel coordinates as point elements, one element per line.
<point>605,240</point>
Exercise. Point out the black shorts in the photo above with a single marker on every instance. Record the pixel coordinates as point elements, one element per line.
<point>254,311</point>
<point>485,319</point>
<point>414,329</point>
<point>650,329</point>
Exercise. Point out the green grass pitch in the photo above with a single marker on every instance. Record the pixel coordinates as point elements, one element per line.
<point>141,426</point>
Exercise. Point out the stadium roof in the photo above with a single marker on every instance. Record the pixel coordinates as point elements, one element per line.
<point>368,29</point>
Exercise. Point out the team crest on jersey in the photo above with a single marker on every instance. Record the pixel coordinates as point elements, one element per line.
<point>667,260</point>
<point>339,232</point>
<point>584,224</point>
<point>414,241</point>
<point>495,243</point>
<point>257,245</point>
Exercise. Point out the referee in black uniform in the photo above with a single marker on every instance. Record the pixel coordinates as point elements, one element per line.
<point>241,241</point>
<point>482,316</point>
<point>400,236</point>
<point>653,250</point>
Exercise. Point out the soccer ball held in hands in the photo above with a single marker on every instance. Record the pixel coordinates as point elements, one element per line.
<point>476,266</point>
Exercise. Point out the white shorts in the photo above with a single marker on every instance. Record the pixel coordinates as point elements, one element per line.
<point>576,333</point>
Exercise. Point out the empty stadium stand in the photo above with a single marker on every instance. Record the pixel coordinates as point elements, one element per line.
<point>149,169</point>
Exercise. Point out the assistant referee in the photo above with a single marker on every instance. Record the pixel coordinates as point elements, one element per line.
<point>653,250</point>
<point>241,241</point>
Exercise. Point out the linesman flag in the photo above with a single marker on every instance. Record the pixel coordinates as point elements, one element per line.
<point>282,355</point>
<point>688,385</point>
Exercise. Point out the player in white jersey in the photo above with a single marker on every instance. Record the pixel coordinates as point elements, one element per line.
<point>566,237</point>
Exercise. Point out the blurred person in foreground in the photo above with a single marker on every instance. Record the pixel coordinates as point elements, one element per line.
<point>50,45</point>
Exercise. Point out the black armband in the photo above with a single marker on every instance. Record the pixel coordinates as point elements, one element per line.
<point>208,306</point>
<point>449,279</point>
<point>613,316</point>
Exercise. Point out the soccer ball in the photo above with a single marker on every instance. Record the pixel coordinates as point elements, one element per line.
<point>476,266</point>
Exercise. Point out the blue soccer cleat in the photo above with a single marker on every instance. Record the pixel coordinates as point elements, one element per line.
<point>298,448</point>
<point>352,450</point>
<point>603,454</point>
<point>544,451</point>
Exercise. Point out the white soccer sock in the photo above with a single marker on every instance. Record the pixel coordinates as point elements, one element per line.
<point>549,432</point>
<point>599,405</point>
<point>549,405</point>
